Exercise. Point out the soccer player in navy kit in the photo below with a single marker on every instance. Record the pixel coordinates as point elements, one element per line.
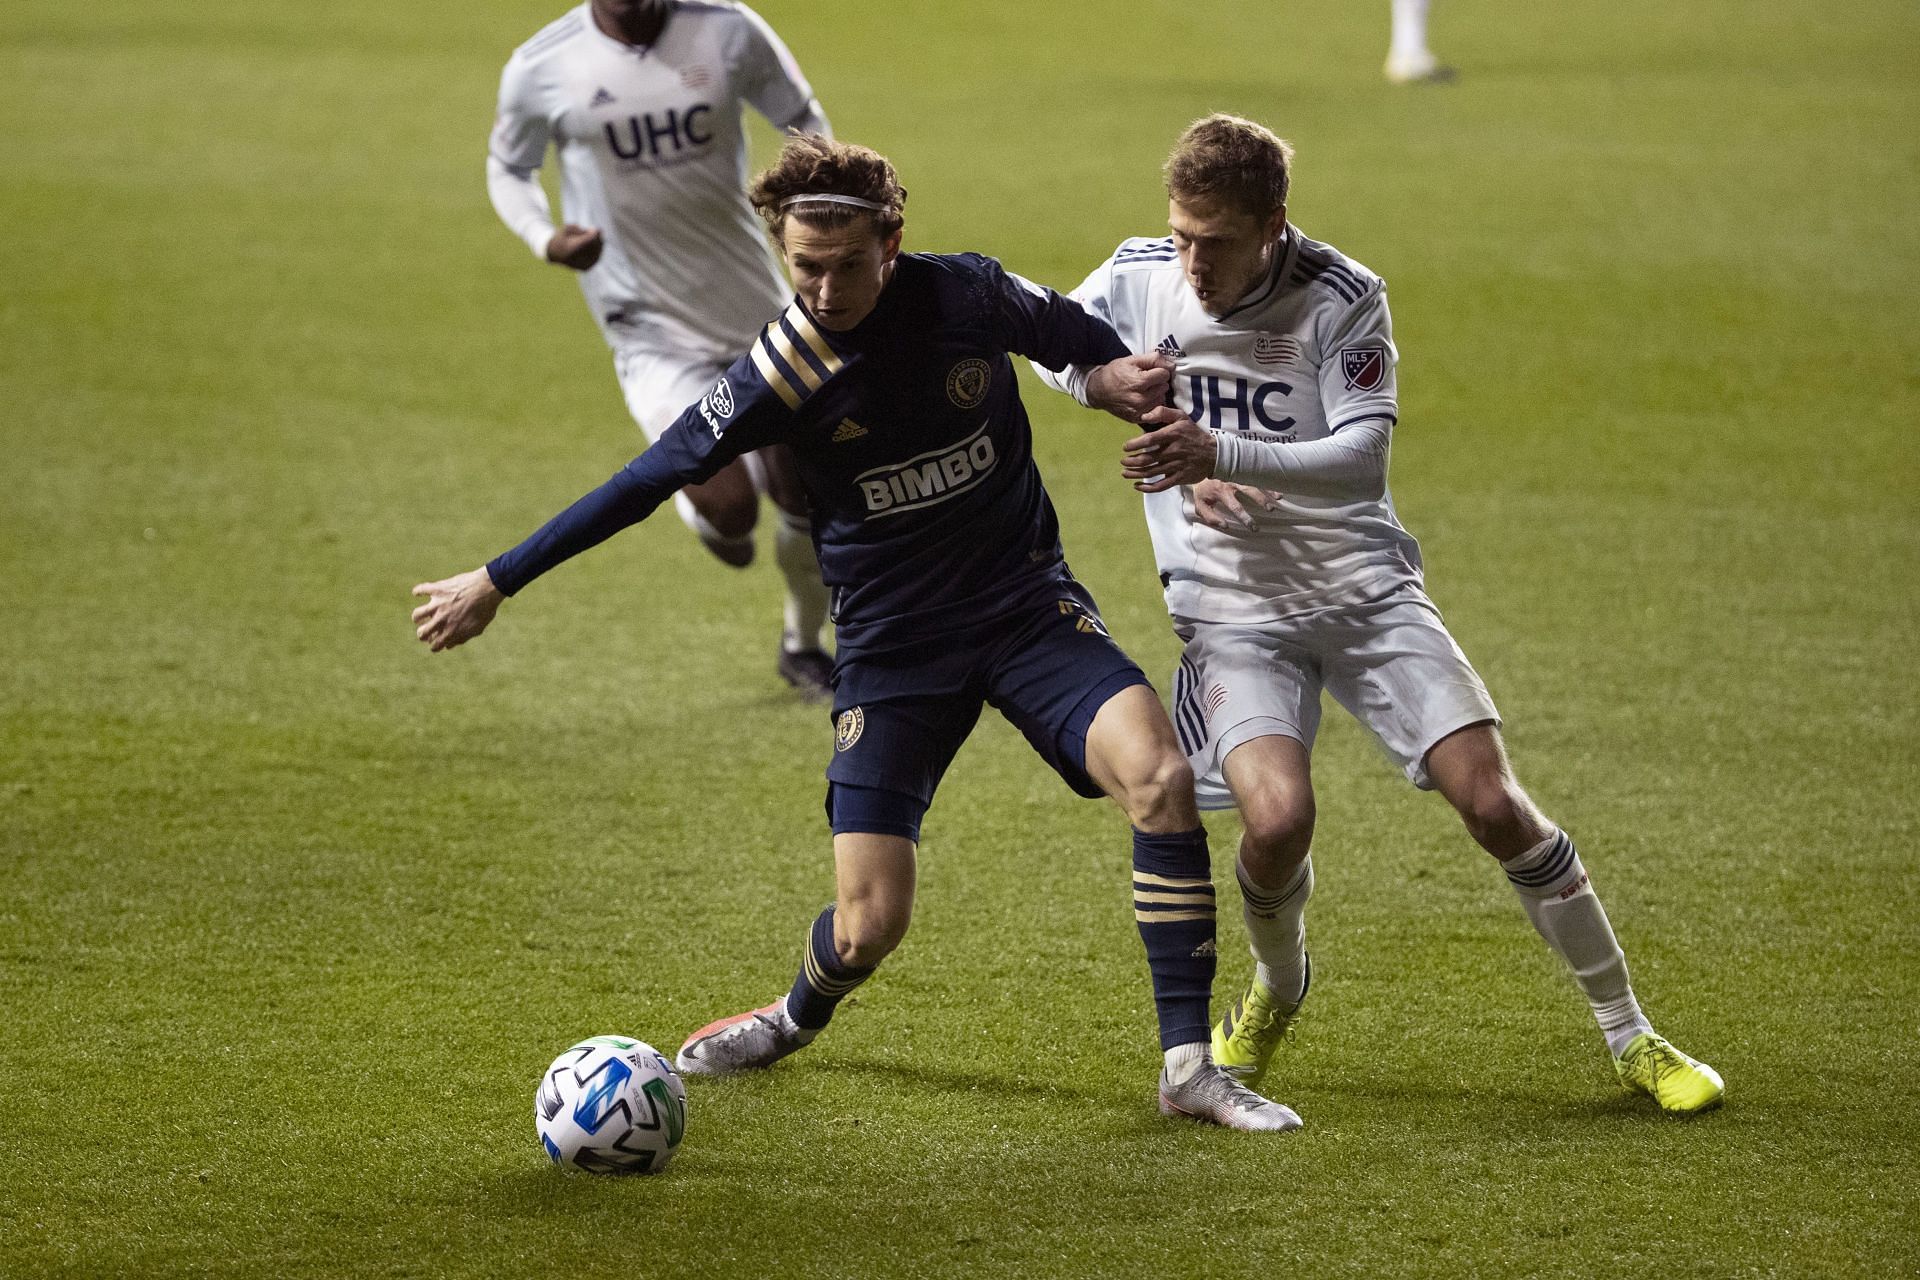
<point>889,377</point>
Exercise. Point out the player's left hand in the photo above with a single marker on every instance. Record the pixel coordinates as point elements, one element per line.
<point>1180,452</point>
<point>457,609</point>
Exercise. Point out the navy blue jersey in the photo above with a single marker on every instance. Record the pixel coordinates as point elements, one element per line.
<point>928,511</point>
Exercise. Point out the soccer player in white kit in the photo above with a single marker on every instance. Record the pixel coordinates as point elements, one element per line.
<point>1283,381</point>
<point>643,101</point>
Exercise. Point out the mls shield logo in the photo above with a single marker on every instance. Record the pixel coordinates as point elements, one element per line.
<point>1364,368</point>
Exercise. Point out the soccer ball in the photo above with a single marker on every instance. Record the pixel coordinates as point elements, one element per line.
<point>611,1105</point>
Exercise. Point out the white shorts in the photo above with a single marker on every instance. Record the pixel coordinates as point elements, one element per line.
<point>660,385</point>
<point>1390,663</point>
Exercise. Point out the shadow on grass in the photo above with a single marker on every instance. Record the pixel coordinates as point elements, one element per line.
<point>955,1080</point>
<point>1569,1111</point>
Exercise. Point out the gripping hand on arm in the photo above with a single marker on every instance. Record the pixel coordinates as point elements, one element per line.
<point>1131,387</point>
<point>457,609</point>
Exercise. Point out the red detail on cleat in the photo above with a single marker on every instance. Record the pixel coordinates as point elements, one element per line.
<point>715,1028</point>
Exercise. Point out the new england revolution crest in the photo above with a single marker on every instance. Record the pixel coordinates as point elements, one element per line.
<point>967,383</point>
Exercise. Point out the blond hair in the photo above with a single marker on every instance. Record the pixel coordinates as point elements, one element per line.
<point>1234,160</point>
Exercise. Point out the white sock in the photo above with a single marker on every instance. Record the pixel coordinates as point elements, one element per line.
<point>806,604</point>
<point>1409,28</point>
<point>1277,930</point>
<point>804,1035</point>
<point>1183,1060</point>
<point>1559,899</point>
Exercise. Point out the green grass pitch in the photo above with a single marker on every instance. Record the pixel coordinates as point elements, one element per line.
<point>292,914</point>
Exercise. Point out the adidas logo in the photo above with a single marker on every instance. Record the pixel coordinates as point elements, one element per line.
<point>1170,347</point>
<point>848,430</point>
<point>601,99</point>
<point>1204,949</point>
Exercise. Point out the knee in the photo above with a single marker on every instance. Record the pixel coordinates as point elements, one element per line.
<point>1159,795</point>
<point>865,933</point>
<point>1497,815</point>
<point>1278,834</point>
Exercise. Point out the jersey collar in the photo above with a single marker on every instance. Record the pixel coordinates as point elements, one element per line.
<point>621,46</point>
<point>1260,295</point>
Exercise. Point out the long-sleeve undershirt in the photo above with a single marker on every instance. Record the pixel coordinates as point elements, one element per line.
<point>1350,465</point>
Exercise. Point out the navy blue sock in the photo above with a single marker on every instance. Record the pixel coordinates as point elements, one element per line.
<point>823,981</point>
<point>1173,905</point>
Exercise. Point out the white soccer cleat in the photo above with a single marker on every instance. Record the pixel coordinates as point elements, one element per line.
<point>1418,68</point>
<point>1211,1096</point>
<point>744,1042</point>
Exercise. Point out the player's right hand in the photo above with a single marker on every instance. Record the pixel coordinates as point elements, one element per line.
<point>1132,386</point>
<point>1229,507</point>
<point>576,247</point>
<point>457,609</point>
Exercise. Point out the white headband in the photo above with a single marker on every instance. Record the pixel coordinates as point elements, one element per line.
<point>853,201</point>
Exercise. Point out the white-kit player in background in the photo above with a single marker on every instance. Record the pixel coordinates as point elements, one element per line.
<point>1282,357</point>
<point>643,102</point>
<point>1409,60</point>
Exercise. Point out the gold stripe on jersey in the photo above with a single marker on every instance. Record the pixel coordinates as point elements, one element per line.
<point>791,354</point>
<point>775,379</point>
<point>815,340</point>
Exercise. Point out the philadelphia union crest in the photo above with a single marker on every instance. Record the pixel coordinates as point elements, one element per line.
<point>848,728</point>
<point>967,383</point>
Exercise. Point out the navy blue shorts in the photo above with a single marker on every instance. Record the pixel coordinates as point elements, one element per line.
<point>900,719</point>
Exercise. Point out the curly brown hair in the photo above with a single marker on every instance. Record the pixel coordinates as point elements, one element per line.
<point>812,165</point>
<point>1234,160</point>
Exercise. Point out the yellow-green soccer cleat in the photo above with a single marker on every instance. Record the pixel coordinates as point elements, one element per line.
<point>1244,1040</point>
<point>1651,1066</point>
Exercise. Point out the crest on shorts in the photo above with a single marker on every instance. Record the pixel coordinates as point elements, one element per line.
<point>1364,368</point>
<point>967,383</point>
<point>848,728</point>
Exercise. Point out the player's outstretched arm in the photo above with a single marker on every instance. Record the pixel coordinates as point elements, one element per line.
<point>1131,387</point>
<point>457,609</point>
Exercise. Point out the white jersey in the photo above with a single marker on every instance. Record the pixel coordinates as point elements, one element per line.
<point>1309,354</point>
<point>653,153</point>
